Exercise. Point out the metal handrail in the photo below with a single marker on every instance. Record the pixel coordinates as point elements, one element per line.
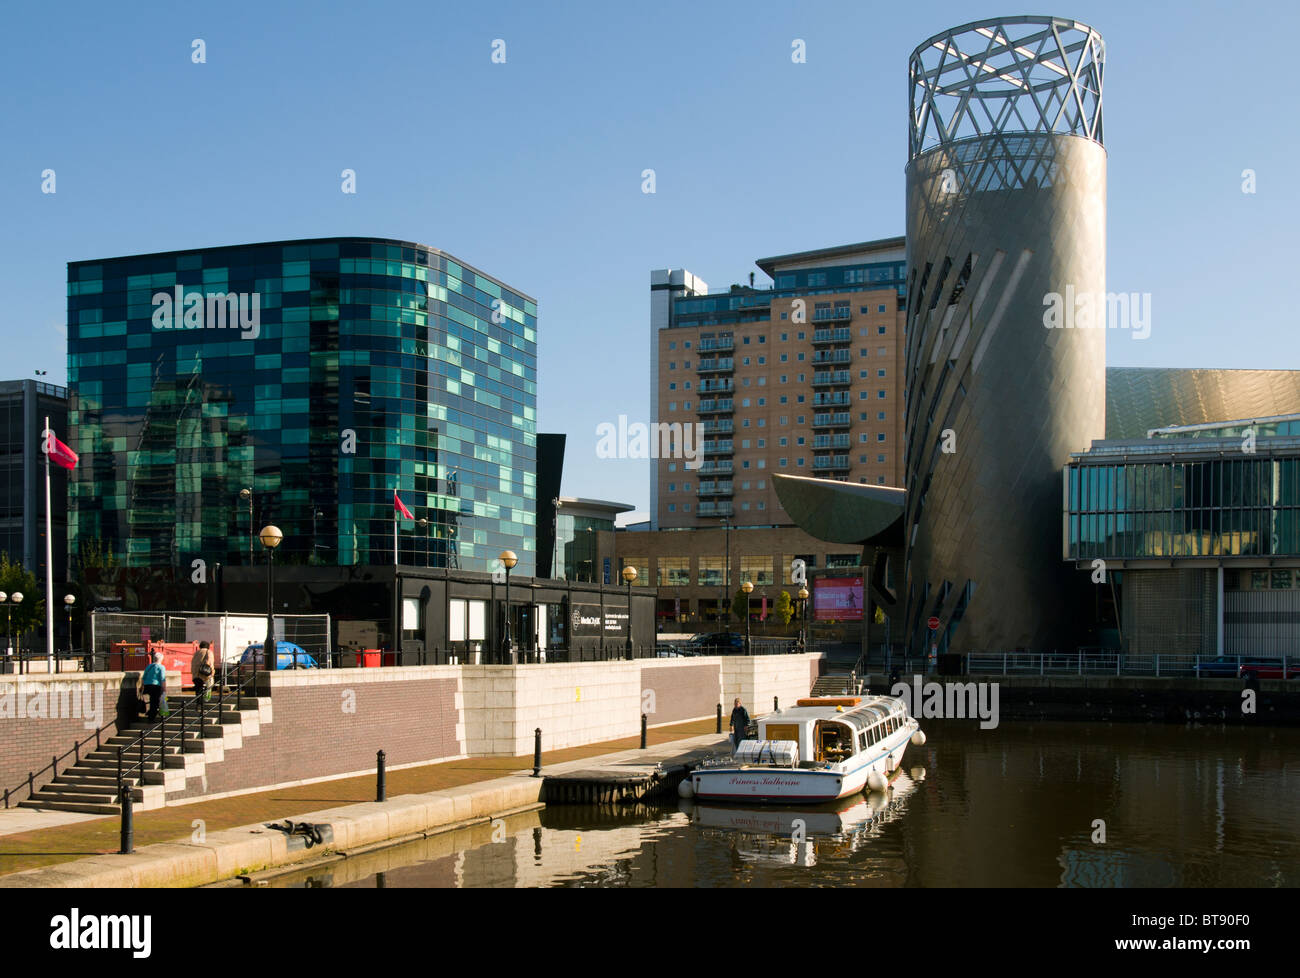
<point>138,744</point>
<point>53,766</point>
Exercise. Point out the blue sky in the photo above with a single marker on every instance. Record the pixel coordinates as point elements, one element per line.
<point>531,170</point>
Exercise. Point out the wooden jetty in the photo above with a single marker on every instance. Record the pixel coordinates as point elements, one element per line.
<point>624,779</point>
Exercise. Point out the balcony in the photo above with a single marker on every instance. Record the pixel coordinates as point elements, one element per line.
<point>716,346</point>
<point>716,365</point>
<point>837,420</point>
<point>713,509</point>
<point>832,356</point>
<point>717,467</point>
<point>832,378</point>
<point>831,463</point>
<point>724,405</point>
<point>721,447</point>
<point>831,441</point>
<point>719,427</point>
<point>840,314</point>
<point>727,386</point>
<point>821,336</point>
<point>722,488</point>
<point>839,398</point>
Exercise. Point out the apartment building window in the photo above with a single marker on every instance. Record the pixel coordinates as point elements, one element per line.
<point>801,355</point>
<point>672,387</point>
<point>863,458</point>
<point>881,395</point>
<point>672,405</point>
<point>686,486</point>
<point>880,458</point>
<point>687,345</point>
<point>883,351</point>
<point>801,335</point>
<point>744,485</point>
<point>864,331</point>
<point>688,385</point>
<point>762,401</point>
<point>673,571</point>
<point>881,330</point>
<point>686,364</point>
<point>672,366</point>
<point>880,308</point>
<point>746,341</point>
<point>672,507</point>
<point>762,361</point>
<point>863,438</point>
<point>762,463</point>
<point>745,382</point>
<point>744,443</point>
<point>782,462</point>
<point>762,339</point>
<point>710,571</point>
<point>880,416</point>
<point>762,443</point>
<point>880,373</point>
<point>783,315</point>
<point>745,402</point>
<point>762,505</point>
<point>801,419</point>
<point>785,420</point>
<point>863,351</point>
<point>784,399</point>
<point>781,442</point>
<point>799,399</point>
<point>686,406</point>
<point>880,481</point>
<point>672,466</point>
<point>863,395</point>
<point>862,375</point>
<point>744,465</point>
<point>744,505</point>
<point>785,358</point>
<point>864,309</point>
<point>799,461</point>
<point>672,345</point>
<point>784,336</point>
<point>686,507</point>
<point>762,422</point>
<point>746,361</point>
<point>672,487</point>
<point>880,437</point>
<point>745,423</point>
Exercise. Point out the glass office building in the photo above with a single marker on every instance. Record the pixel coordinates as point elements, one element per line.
<point>318,375</point>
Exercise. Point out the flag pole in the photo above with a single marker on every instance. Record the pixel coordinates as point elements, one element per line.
<point>49,556</point>
<point>394,527</point>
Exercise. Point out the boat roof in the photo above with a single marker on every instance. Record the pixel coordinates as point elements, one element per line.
<point>872,709</point>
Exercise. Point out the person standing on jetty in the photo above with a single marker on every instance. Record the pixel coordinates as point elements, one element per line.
<point>739,723</point>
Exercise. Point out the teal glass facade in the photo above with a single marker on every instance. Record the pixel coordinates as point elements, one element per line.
<point>342,369</point>
<point>1240,506</point>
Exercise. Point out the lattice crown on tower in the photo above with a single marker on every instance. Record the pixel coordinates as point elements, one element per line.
<point>1007,74</point>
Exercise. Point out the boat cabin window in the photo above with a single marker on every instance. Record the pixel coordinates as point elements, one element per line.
<point>833,741</point>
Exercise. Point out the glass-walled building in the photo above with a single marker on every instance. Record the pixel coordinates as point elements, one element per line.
<point>579,554</point>
<point>1196,531</point>
<point>24,406</point>
<point>300,383</point>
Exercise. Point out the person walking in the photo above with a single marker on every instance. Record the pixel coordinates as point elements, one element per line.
<point>153,684</point>
<point>739,723</point>
<point>201,669</point>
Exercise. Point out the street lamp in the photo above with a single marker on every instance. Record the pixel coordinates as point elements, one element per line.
<point>803,616</point>
<point>68,602</point>
<point>726,571</point>
<point>424,522</point>
<point>629,575</point>
<point>16,598</point>
<point>270,537</point>
<point>747,587</point>
<point>248,494</point>
<point>508,559</point>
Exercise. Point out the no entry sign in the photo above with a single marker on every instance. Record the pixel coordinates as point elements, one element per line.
<point>933,623</point>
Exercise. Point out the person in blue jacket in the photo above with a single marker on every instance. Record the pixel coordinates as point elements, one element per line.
<point>153,683</point>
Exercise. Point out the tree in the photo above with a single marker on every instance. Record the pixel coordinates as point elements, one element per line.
<point>784,608</point>
<point>95,556</point>
<point>31,612</point>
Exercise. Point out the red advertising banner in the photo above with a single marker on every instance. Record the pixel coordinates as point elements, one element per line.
<point>837,599</point>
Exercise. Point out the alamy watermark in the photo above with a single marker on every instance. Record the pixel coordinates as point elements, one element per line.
<point>1099,310</point>
<point>54,701</point>
<point>658,439</point>
<point>180,309</point>
<point>949,701</point>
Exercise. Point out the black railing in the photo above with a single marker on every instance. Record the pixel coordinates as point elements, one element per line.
<point>29,785</point>
<point>135,756</point>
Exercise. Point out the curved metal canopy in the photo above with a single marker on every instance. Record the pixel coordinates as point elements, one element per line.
<point>843,512</point>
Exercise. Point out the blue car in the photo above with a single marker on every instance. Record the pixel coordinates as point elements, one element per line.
<point>287,656</point>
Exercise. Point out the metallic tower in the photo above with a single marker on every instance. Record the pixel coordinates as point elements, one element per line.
<point>1006,205</point>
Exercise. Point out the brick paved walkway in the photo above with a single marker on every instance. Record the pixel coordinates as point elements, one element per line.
<point>47,847</point>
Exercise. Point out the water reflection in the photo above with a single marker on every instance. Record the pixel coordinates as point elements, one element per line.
<point>1041,804</point>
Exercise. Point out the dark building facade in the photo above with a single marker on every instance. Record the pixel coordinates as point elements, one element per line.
<point>213,391</point>
<point>24,406</point>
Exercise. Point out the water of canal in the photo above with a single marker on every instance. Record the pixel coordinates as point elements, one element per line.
<point>1025,804</point>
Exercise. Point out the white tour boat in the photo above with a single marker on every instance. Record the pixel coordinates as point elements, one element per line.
<point>823,749</point>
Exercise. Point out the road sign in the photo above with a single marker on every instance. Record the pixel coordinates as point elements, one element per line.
<point>933,623</point>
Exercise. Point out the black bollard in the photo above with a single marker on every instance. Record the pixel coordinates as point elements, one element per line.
<point>776,705</point>
<point>128,820</point>
<point>643,731</point>
<point>537,752</point>
<point>719,718</point>
<point>381,789</point>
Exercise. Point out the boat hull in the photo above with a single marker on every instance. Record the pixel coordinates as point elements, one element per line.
<point>784,785</point>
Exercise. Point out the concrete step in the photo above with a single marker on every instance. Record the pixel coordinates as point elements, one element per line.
<point>85,797</point>
<point>90,808</point>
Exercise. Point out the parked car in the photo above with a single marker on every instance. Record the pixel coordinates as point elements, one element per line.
<point>287,656</point>
<point>1270,669</point>
<point>1232,666</point>
<point>717,643</point>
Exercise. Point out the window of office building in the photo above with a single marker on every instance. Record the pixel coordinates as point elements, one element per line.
<point>757,570</point>
<point>673,571</point>
<point>711,571</point>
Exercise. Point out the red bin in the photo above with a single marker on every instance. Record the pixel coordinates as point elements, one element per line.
<point>369,659</point>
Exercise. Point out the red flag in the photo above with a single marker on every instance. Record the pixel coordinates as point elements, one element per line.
<point>397,505</point>
<point>59,453</point>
